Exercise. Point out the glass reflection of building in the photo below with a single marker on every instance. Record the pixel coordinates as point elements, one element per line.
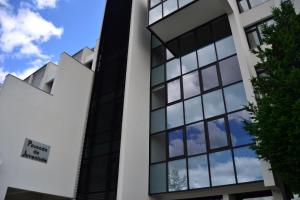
<point>197,113</point>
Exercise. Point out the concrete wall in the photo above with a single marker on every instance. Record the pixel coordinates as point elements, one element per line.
<point>134,152</point>
<point>57,120</point>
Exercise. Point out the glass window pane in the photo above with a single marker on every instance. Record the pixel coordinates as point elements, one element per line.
<point>158,97</point>
<point>198,172</point>
<point>255,3</point>
<point>213,104</point>
<point>177,175</point>
<point>195,139</point>
<point>173,69</point>
<point>175,115</point>
<point>158,147</point>
<point>157,75</point>
<point>169,54</point>
<point>230,70</point>
<point>170,6</point>
<point>154,2</point>
<point>176,147</point>
<point>217,133</point>
<point>221,168</point>
<point>247,165</point>
<point>158,178</point>
<point>155,14</point>
<point>158,120</point>
<point>174,91</point>
<point>191,85</point>
<point>221,28</point>
<point>204,36</point>
<point>187,43</point>
<point>193,110</point>
<point>206,55</point>
<point>155,42</point>
<point>210,78</point>
<point>189,62</point>
<point>253,39</point>
<point>225,47</point>
<point>239,136</point>
<point>158,56</point>
<point>235,97</point>
<point>243,5</point>
<point>184,2</point>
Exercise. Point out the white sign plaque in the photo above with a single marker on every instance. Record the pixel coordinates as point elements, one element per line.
<point>35,151</point>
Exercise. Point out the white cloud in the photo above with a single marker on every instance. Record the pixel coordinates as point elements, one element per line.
<point>20,74</point>
<point>24,31</point>
<point>41,4</point>
<point>4,3</point>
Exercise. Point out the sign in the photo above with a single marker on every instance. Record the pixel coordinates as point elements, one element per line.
<point>35,151</point>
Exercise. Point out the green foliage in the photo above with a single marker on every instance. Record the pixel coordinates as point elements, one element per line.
<point>276,114</point>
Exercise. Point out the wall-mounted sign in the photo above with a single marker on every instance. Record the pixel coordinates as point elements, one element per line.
<point>35,151</point>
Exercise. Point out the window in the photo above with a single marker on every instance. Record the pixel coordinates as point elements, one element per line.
<point>197,113</point>
<point>177,175</point>
<point>158,146</point>
<point>198,171</point>
<point>176,147</point>
<point>239,136</point>
<point>193,110</point>
<point>230,70</point>
<point>213,104</point>
<point>189,62</point>
<point>209,78</point>
<point>191,85</point>
<point>169,6</point>
<point>158,120</point>
<point>155,14</point>
<point>174,91</point>
<point>195,136</point>
<point>173,69</point>
<point>254,33</point>
<point>221,167</point>
<point>157,75</point>
<point>217,133</point>
<point>235,97</point>
<point>206,55</point>
<point>247,165</point>
<point>175,115</point>
<point>158,180</point>
<point>245,5</point>
<point>158,97</point>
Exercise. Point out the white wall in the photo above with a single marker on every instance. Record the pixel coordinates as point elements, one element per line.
<point>134,152</point>
<point>57,120</point>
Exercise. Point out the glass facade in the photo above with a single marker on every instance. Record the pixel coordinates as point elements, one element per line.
<point>197,112</point>
<point>161,8</point>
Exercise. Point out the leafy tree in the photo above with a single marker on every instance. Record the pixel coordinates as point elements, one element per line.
<point>276,114</point>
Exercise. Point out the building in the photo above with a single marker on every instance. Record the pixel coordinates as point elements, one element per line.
<point>158,116</point>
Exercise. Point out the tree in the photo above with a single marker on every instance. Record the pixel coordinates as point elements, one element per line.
<point>276,113</point>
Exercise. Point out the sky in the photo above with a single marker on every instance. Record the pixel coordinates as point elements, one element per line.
<point>34,32</point>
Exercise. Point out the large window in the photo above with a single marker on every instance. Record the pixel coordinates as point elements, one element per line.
<point>254,33</point>
<point>161,8</point>
<point>197,113</point>
<point>245,5</point>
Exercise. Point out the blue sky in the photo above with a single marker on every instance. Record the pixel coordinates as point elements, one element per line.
<point>34,32</point>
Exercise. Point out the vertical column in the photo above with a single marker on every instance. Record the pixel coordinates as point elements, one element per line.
<point>2,192</point>
<point>134,153</point>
